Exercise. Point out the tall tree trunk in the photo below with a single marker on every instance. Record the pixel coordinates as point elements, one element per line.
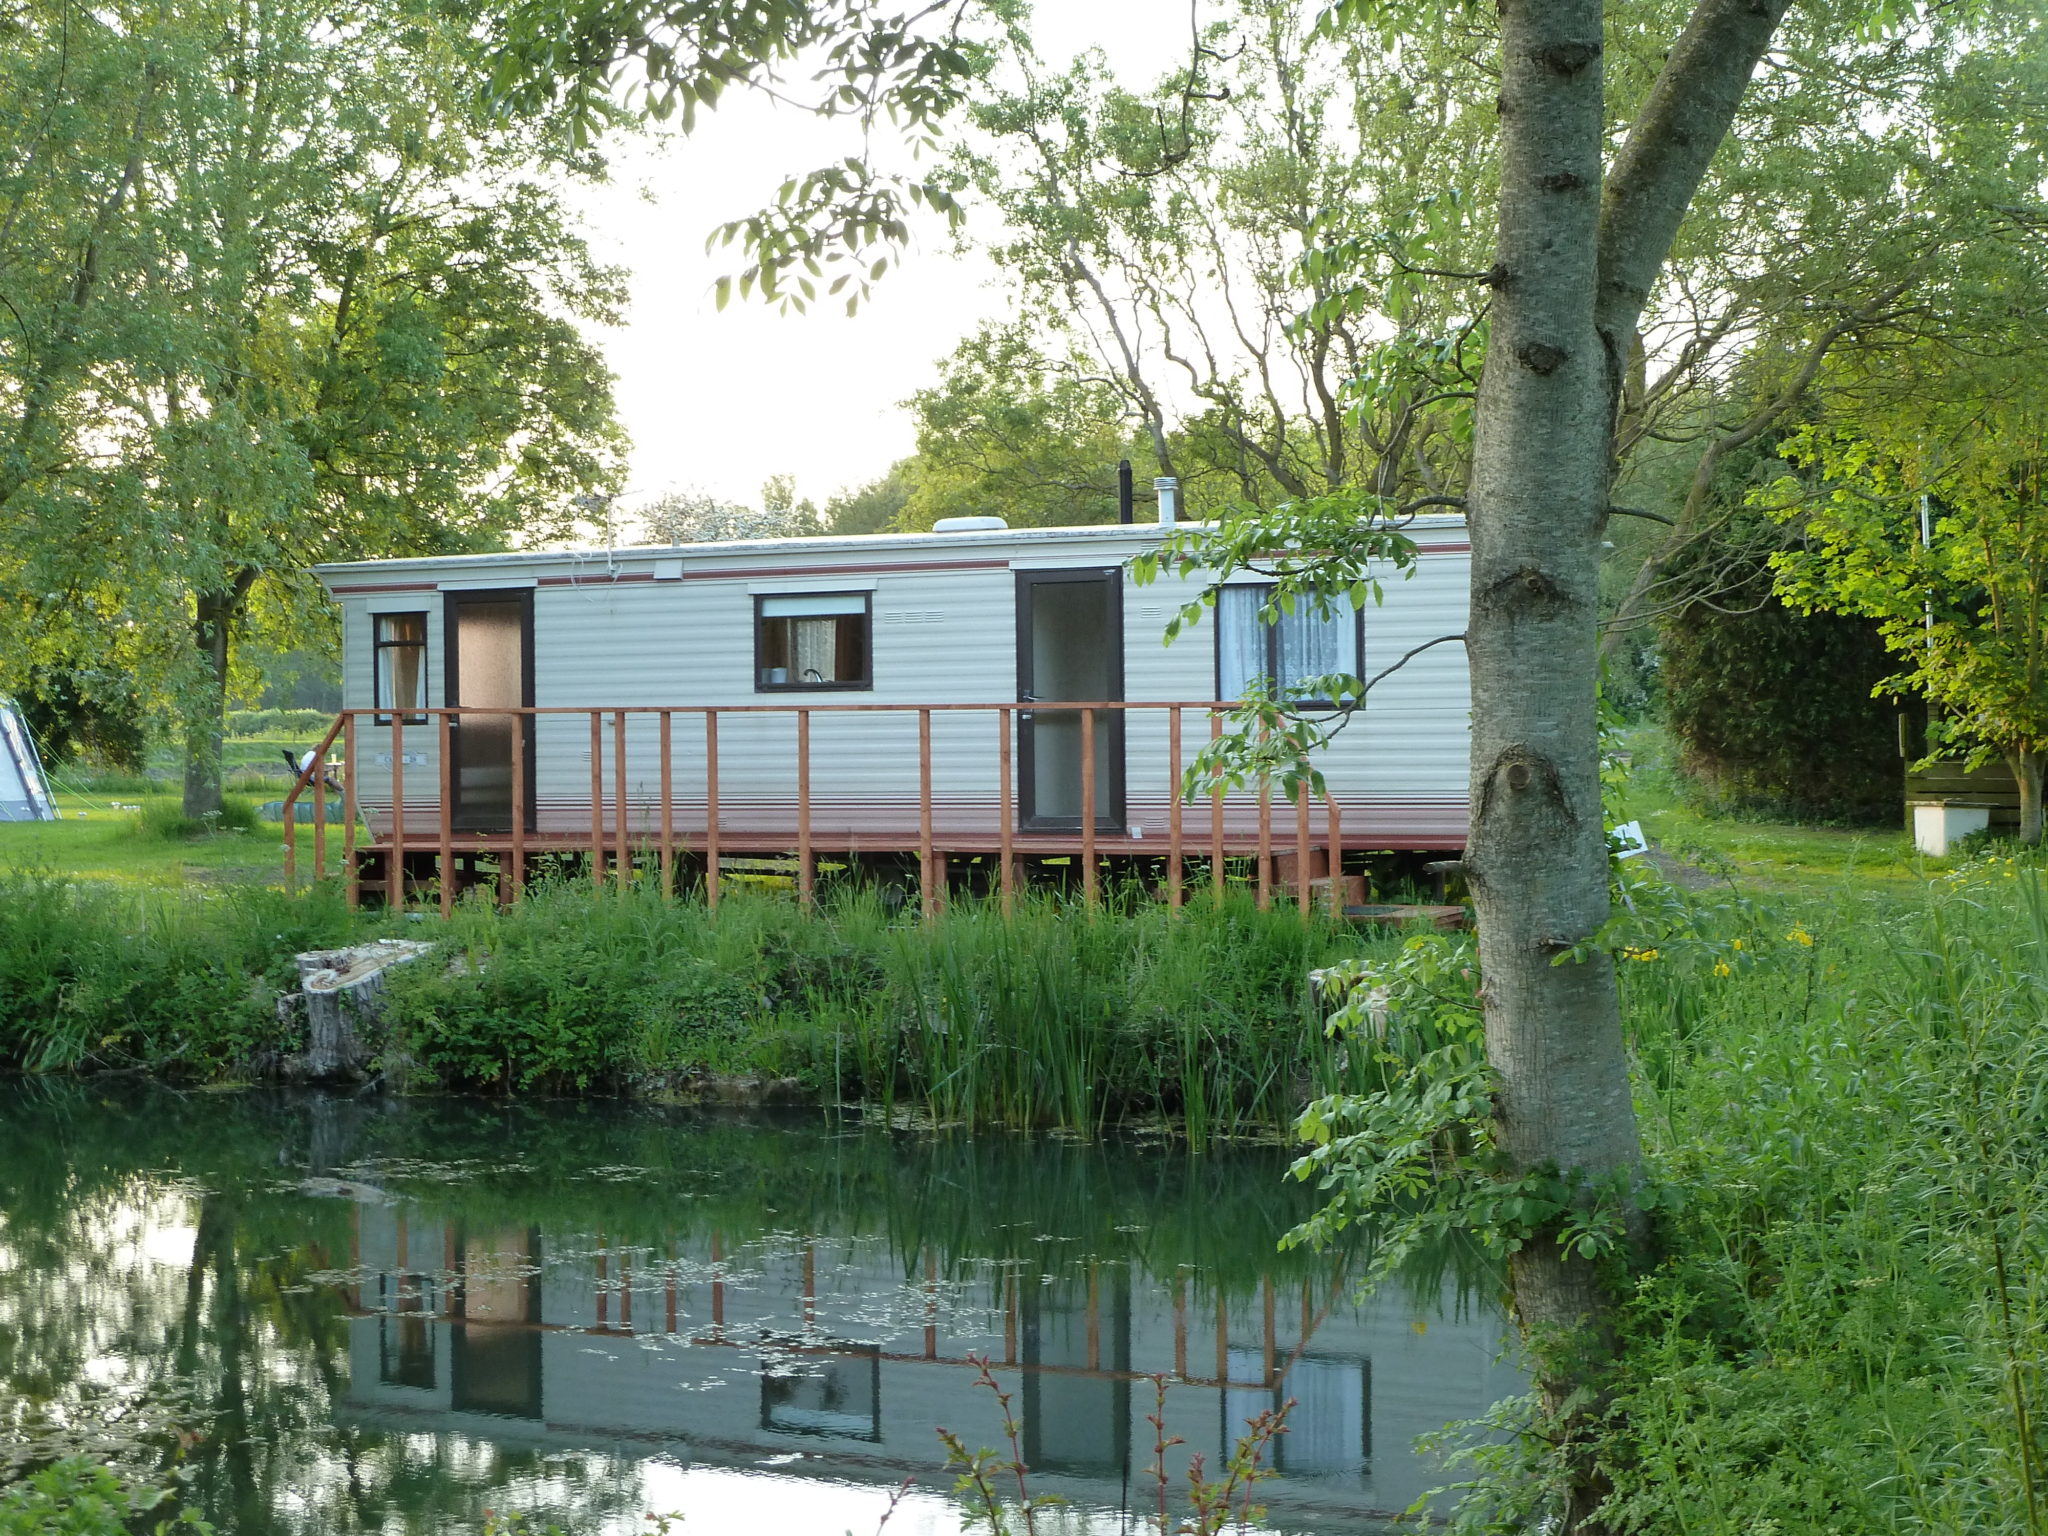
<point>2027,765</point>
<point>206,706</point>
<point>1537,856</point>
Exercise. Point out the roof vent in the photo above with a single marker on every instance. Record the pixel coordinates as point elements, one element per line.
<point>968,525</point>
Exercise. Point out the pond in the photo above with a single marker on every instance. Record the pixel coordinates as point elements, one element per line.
<point>391,1315</point>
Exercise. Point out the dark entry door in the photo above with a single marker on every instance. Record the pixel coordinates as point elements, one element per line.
<point>490,667</point>
<point>1070,650</point>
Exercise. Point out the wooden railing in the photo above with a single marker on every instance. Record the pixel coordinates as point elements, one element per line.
<point>612,840</point>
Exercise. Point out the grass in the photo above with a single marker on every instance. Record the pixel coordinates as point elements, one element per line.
<point>1782,856</point>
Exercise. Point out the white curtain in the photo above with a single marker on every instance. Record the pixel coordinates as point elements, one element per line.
<point>817,650</point>
<point>1315,647</point>
<point>1241,640</point>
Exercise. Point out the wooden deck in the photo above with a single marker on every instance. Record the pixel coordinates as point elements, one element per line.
<point>400,849</point>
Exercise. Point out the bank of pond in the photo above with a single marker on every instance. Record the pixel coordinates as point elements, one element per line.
<point>1056,1015</point>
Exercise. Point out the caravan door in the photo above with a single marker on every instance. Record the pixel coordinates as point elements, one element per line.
<point>1070,650</point>
<point>489,636</point>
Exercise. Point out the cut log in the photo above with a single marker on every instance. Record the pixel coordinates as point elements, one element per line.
<point>340,991</point>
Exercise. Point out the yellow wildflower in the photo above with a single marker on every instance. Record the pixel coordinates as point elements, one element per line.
<point>1738,943</point>
<point>1723,968</point>
<point>1640,954</point>
<point>1799,935</point>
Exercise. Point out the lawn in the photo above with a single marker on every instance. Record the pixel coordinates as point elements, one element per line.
<point>1771,855</point>
<point>101,837</point>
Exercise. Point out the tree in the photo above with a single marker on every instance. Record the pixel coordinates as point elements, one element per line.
<point>697,517</point>
<point>1007,432</point>
<point>1963,607</point>
<point>271,322</point>
<point>871,508</point>
<point>1581,250</point>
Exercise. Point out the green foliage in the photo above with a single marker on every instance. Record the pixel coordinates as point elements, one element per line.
<point>1774,709</point>
<point>279,722</point>
<point>76,1498</point>
<point>168,822</point>
<point>93,979</point>
<point>1040,1018</point>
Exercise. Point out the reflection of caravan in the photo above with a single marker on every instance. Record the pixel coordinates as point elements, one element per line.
<point>827,1357</point>
<point>24,792</point>
<point>975,695</point>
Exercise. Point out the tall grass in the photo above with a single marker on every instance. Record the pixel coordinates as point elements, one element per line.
<point>93,978</point>
<point>1849,1327</point>
<point>1052,1016</point>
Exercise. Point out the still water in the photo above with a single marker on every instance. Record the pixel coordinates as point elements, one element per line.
<point>391,1316</point>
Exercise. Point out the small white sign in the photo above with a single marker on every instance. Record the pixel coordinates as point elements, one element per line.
<point>1628,840</point>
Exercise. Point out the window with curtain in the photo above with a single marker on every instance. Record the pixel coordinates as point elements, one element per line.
<point>399,664</point>
<point>1281,651</point>
<point>812,640</point>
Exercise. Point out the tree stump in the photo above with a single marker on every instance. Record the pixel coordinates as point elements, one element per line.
<point>340,993</point>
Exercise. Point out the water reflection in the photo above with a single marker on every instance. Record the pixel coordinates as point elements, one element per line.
<point>391,1315</point>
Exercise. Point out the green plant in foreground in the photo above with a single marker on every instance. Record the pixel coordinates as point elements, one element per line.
<point>76,1497</point>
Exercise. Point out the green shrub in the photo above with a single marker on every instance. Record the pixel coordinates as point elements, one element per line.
<point>77,1498</point>
<point>279,722</point>
<point>167,821</point>
<point>94,978</point>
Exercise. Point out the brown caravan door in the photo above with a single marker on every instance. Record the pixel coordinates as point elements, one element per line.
<point>489,637</point>
<point>1070,650</point>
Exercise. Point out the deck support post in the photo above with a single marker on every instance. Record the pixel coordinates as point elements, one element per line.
<point>1336,854</point>
<point>597,799</point>
<point>319,812</point>
<point>1088,892</point>
<point>394,874</point>
<point>1305,885</point>
<point>443,736</point>
<point>518,870</point>
<point>711,881</point>
<point>1265,842</point>
<point>1006,815</point>
<point>623,857</point>
<point>1173,872</point>
<point>1216,816</point>
<point>351,873</point>
<point>805,872</point>
<point>668,809</point>
<point>927,895</point>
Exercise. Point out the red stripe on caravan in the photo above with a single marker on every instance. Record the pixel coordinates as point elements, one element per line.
<point>387,586</point>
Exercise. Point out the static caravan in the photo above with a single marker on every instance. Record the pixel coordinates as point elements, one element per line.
<point>989,696</point>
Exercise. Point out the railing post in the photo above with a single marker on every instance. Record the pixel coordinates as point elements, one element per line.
<point>1216,816</point>
<point>1173,872</point>
<point>668,809</point>
<point>319,812</point>
<point>1301,849</point>
<point>1006,814</point>
<point>1336,815</point>
<point>804,870</point>
<point>519,802</point>
<point>927,901</point>
<point>711,809</point>
<point>351,874</point>
<point>1265,842</point>
<point>394,876</point>
<point>1088,806</point>
<point>623,867</point>
<point>443,734</point>
<point>597,799</point>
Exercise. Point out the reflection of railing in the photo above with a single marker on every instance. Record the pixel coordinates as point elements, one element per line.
<point>610,837</point>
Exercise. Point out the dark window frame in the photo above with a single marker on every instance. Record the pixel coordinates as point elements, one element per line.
<point>866,684</point>
<point>378,646</point>
<point>1273,648</point>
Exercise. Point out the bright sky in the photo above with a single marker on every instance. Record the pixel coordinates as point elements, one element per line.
<point>719,401</point>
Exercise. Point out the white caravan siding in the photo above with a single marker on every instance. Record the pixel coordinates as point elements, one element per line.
<point>675,629</point>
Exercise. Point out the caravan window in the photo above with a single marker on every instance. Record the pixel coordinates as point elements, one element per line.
<point>399,665</point>
<point>1282,650</point>
<point>812,640</point>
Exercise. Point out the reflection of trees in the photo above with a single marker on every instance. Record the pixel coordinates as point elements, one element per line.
<point>237,1328</point>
